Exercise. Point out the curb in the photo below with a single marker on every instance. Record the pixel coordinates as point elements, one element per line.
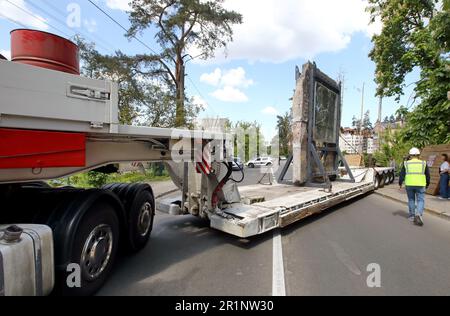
<point>428,210</point>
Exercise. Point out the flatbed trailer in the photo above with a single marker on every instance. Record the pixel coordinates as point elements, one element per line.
<point>54,125</point>
<point>264,208</point>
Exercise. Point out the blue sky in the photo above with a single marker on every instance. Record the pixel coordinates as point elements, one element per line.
<point>256,80</point>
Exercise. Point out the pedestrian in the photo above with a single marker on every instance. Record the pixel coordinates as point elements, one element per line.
<point>444,171</point>
<point>415,175</point>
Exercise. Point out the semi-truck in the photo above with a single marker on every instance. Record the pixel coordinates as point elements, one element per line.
<point>55,123</point>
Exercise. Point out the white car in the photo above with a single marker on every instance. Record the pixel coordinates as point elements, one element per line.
<point>260,162</point>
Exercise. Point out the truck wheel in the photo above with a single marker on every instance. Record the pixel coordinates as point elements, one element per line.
<point>95,248</point>
<point>140,220</point>
<point>139,206</point>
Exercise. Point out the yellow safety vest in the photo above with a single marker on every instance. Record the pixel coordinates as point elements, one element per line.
<point>415,173</point>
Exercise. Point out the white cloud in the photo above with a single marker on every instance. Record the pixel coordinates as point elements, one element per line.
<point>274,32</point>
<point>236,78</point>
<point>270,110</point>
<point>230,94</point>
<point>213,78</point>
<point>118,4</point>
<point>5,53</point>
<point>278,32</point>
<point>229,84</point>
<point>17,12</point>
<point>232,78</point>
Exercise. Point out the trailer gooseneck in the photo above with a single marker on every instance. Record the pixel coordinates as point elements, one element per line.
<point>55,124</point>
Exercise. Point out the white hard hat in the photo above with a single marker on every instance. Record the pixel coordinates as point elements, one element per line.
<point>414,152</point>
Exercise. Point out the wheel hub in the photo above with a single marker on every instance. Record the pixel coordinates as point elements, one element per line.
<point>97,252</point>
<point>145,219</point>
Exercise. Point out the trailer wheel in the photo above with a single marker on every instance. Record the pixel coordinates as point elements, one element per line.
<point>382,180</point>
<point>391,177</point>
<point>95,248</point>
<point>377,182</point>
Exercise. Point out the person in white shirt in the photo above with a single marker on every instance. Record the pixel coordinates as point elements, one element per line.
<point>444,171</point>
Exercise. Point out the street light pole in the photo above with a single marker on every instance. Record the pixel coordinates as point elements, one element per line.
<point>362,109</point>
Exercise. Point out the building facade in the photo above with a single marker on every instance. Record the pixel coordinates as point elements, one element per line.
<point>353,142</point>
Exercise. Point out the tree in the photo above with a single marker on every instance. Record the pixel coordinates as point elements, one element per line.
<point>402,114</point>
<point>392,119</point>
<point>284,126</point>
<point>392,146</point>
<point>118,68</point>
<point>367,124</point>
<point>251,145</point>
<point>416,34</point>
<point>181,25</point>
<point>356,123</point>
<point>142,99</point>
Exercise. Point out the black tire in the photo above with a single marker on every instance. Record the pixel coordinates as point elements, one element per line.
<point>251,166</point>
<point>377,182</point>
<point>99,218</point>
<point>391,177</point>
<point>141,216</point>
<point>137,198</point>
<point>382,179</point>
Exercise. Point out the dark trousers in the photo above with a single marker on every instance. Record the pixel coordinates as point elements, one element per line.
<point>444,189</point>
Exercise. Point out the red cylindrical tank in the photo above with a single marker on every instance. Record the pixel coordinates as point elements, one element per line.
<point>44,50</point>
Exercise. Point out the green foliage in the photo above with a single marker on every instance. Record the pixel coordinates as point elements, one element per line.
<point>181,25</point>
<point>429,123</point>
<point>284,126</point>
<point>254,145</point>
<point>118,68</point>
<point>392,146</point>
<point>416,34</point>
<point>97,180</point>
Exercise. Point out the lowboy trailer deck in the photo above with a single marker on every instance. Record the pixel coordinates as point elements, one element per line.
<point>265,208</point>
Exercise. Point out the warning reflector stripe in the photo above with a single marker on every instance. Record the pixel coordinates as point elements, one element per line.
<point>203,161</point>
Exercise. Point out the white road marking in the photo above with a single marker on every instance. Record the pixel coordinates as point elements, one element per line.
<point>278,280</point>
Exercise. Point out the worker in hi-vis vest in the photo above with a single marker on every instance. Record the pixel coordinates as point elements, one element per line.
<point>415,175</point>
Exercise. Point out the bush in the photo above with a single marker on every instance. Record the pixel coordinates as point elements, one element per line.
<point>94,179</point>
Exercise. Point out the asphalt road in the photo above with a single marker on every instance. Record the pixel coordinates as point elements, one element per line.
<point>322,255</point>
